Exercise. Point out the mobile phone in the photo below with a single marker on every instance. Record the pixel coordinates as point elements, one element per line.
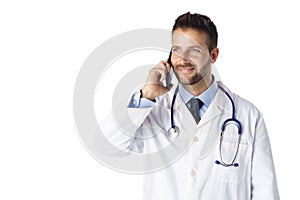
<point>169,75</point>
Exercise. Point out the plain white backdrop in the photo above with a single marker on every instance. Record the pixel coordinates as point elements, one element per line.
<point>44,43</point>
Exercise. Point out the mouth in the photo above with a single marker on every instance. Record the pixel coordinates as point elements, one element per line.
<point>186,70</point>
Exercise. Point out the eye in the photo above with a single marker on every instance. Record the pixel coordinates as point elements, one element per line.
<point>196,50</point>
<point>176,49</point>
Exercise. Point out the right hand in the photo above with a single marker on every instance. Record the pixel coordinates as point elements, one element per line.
<point>154,84</point>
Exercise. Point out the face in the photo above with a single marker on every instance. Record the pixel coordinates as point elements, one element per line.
<point>191,58</point>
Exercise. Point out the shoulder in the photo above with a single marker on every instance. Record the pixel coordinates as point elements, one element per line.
<point>242,105</point>
<point>245,104</point>
<point>250,116</point>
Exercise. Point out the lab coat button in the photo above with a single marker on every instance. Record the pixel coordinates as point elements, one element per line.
<point>193,172</point>
<point>195,139</point>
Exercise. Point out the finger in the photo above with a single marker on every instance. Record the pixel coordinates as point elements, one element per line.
<point>162,68</point>
<point>163,71</point>
<point>161,65</point>
<point>158,74</point>
<point>170,86</point>
<point>167,65</point>
<point>163,75</point>
<point>165,90</point>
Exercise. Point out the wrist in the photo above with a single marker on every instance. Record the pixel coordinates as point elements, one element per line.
<point>147,95</point>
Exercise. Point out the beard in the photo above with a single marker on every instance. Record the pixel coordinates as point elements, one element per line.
<point>196,77</point>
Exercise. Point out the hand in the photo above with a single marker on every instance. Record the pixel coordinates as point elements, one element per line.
<point>154,84</point>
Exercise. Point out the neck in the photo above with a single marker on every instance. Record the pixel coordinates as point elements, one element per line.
<point>199,87</point>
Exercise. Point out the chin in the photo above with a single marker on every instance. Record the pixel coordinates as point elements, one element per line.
<point>190,81</point>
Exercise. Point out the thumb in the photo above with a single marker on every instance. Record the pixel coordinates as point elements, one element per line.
<point>170,86</point>
<point>166,89</point>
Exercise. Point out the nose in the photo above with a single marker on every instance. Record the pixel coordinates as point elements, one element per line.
<point>183,60</point>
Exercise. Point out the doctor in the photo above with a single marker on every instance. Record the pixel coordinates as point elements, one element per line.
<point>234,165</point>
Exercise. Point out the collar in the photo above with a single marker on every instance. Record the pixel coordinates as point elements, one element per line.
<point>206,97</point>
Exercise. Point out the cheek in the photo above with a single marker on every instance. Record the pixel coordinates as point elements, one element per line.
<point>202,61</point>
<point>199,62</point>
<point>175,59</point>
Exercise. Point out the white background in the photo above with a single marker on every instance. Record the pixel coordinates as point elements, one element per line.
<point>43,45</point>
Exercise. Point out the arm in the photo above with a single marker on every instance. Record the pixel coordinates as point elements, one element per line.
<point>137,101</point>
<point>264,184</point>
<point>126,132</point>
<point>121,133</point>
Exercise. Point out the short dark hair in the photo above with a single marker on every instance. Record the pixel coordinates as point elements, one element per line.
<point>200,23</point>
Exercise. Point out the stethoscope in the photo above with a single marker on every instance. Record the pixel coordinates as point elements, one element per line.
<point>173,132</point>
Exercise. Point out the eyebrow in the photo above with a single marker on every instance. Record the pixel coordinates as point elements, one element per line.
<point>193,46</point>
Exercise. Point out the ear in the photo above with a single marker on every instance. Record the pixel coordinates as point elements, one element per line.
<point>214,54</point>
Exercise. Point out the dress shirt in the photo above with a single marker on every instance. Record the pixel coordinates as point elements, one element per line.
<point>206,97</point>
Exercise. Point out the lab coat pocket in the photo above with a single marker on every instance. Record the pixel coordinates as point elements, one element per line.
<point>231,173</point>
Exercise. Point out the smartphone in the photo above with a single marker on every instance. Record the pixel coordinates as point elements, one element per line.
<point>169,75</point>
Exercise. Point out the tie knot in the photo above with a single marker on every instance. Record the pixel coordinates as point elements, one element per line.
<point>195,103</point>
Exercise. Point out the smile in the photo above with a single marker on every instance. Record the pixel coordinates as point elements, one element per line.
<point>186,70</point>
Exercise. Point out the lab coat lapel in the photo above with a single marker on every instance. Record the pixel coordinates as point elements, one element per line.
<point>219,104</point>
<point>209,128</point>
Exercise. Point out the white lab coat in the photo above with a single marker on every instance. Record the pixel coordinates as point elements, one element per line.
<point>195,176</point>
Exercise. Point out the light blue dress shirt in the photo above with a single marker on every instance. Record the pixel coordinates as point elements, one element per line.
<point>206,97</point>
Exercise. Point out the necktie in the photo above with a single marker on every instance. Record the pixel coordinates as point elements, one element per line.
<point>195,105</point>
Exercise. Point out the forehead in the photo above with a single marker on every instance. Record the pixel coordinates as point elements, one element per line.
<point>189,37</point>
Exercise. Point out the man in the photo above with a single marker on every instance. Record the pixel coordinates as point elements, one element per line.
<point>236,166</point>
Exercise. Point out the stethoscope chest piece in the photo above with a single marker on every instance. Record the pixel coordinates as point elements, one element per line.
<point>173,132</point>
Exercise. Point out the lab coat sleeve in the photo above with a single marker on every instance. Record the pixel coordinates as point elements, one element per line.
<point>137,102</point>
<point>264,184</point>
<point>122,132</point>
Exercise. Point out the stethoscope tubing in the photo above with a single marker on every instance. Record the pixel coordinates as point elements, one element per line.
<point>174,130</point>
